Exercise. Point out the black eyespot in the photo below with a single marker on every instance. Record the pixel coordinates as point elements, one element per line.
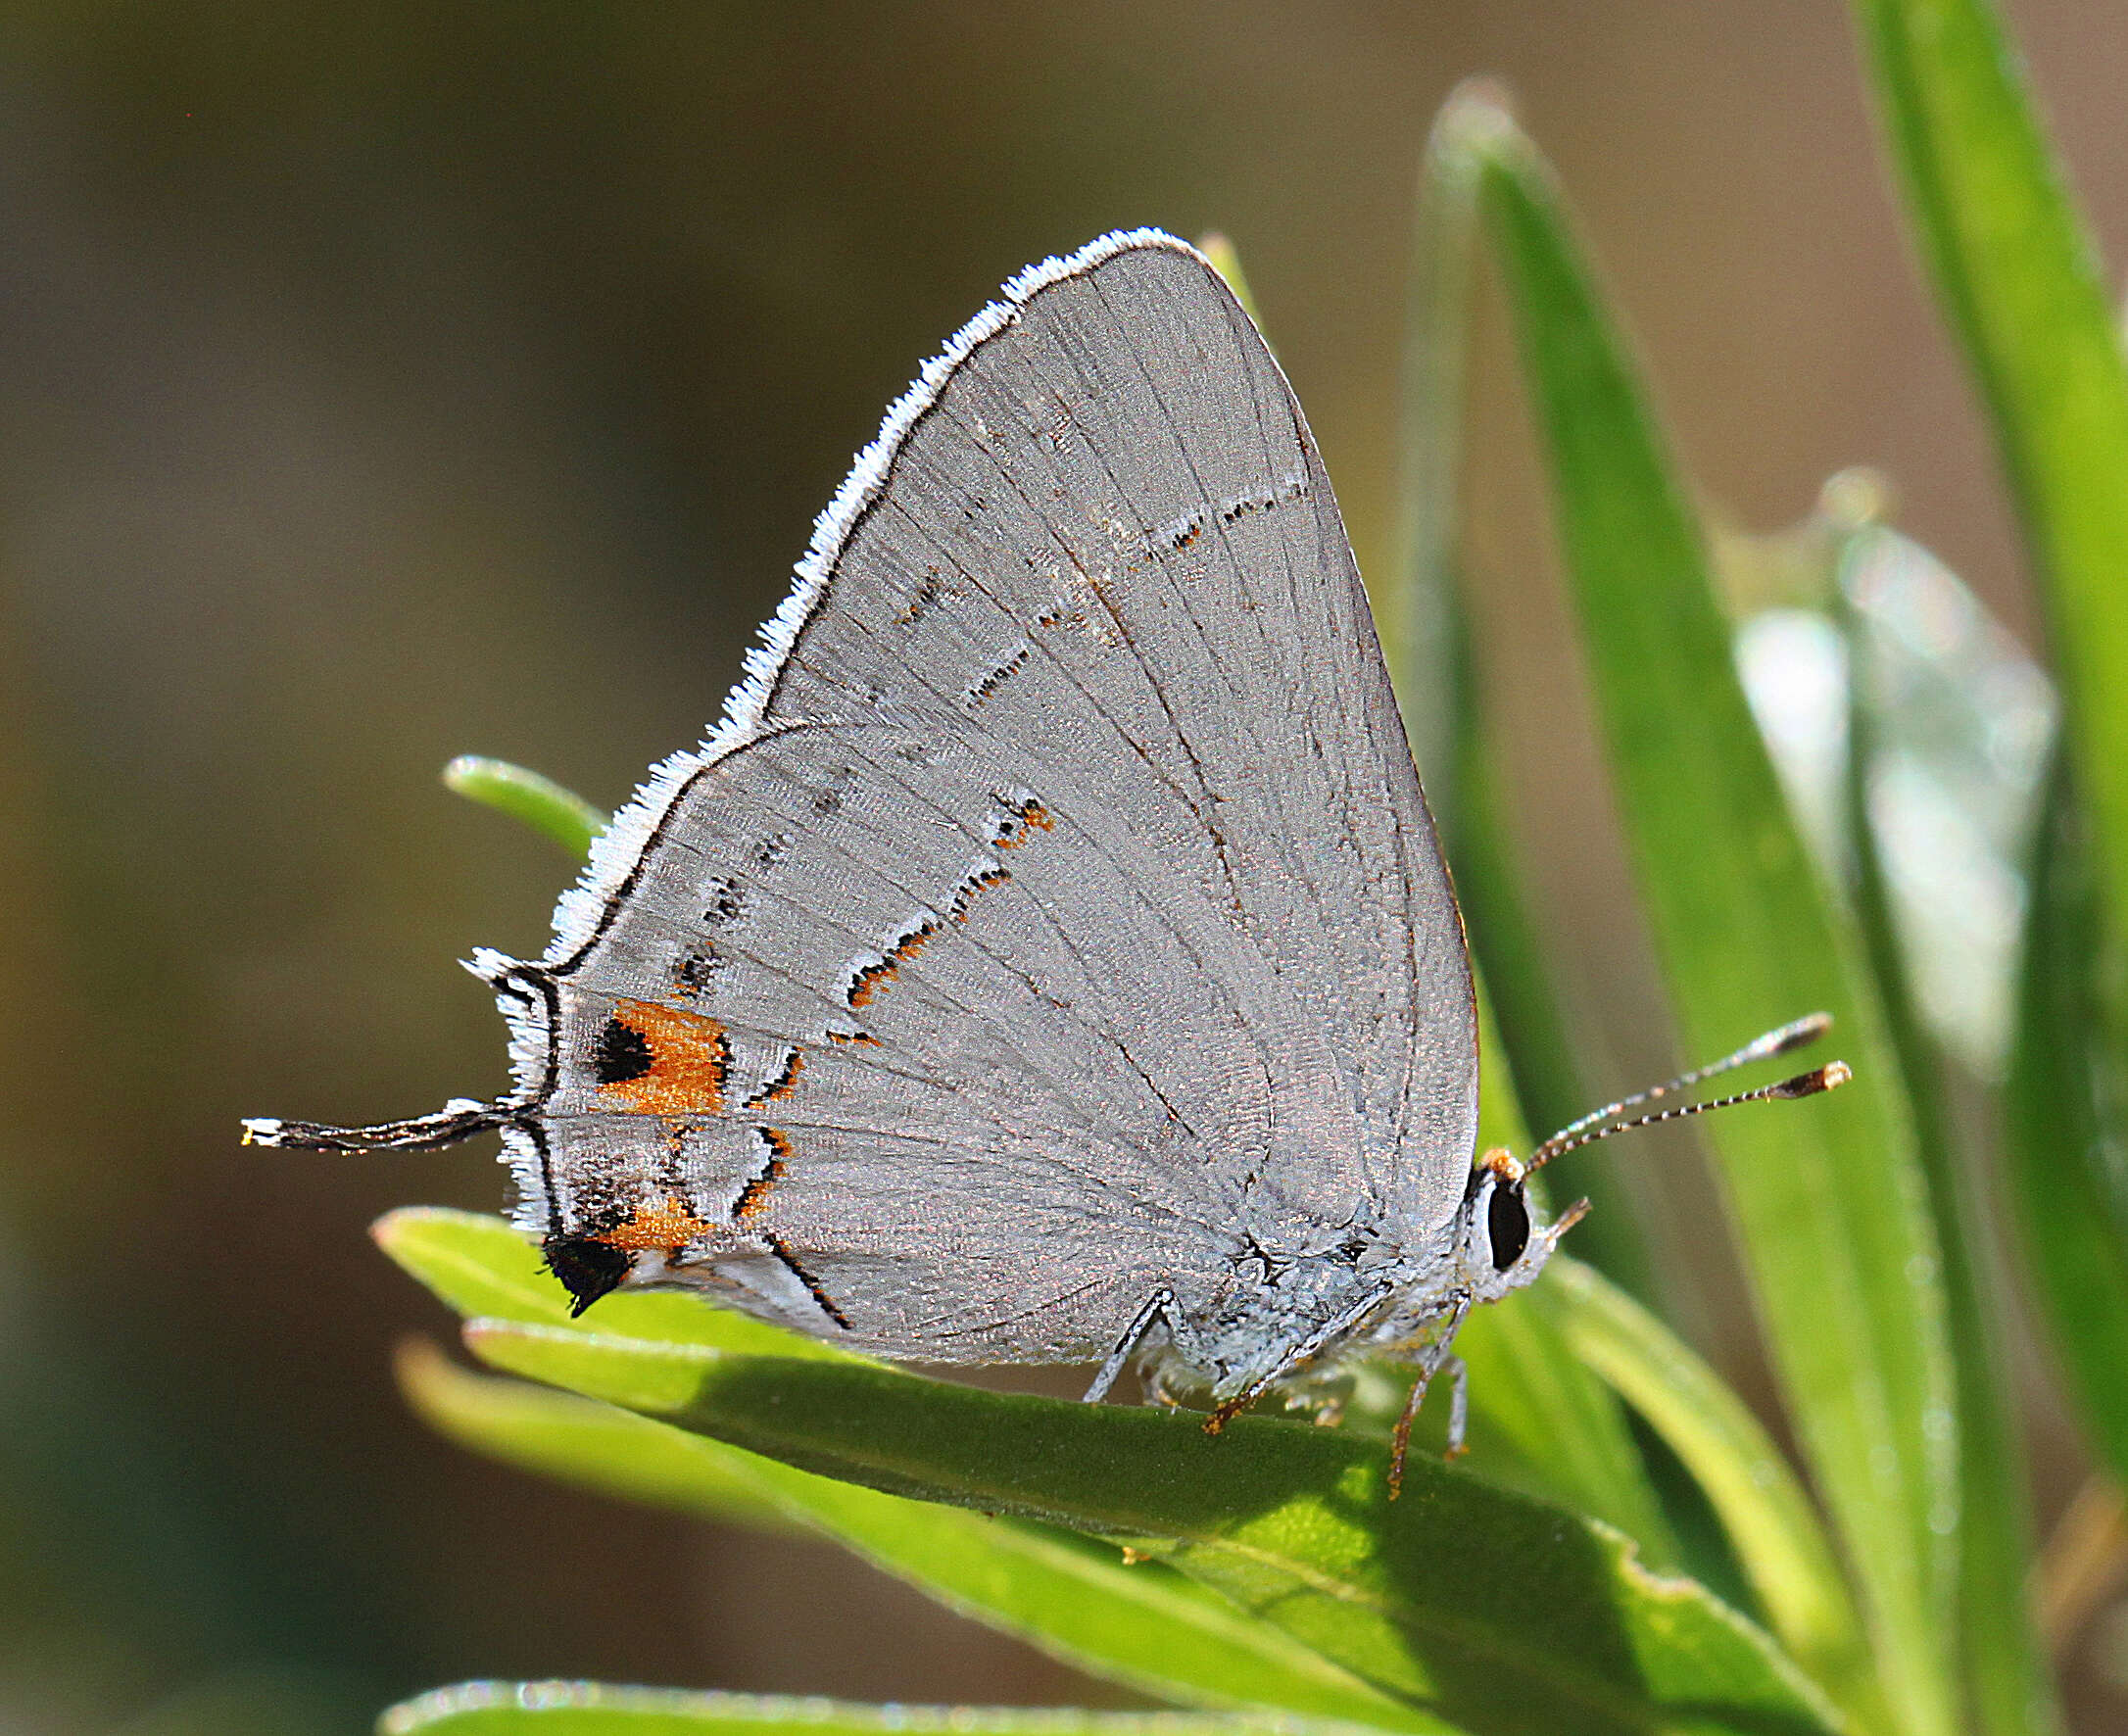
<point>587,1268</point>
<point>1507,1224</point>
<point>620,1054</point>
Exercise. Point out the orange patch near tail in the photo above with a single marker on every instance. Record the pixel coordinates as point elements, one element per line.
<point>690,1059</point>
<point>664,1223</point>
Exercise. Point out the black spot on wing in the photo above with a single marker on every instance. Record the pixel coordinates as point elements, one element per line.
<point>620,1054</point>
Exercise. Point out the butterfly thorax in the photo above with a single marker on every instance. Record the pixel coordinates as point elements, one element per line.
<point>1300,1304</point>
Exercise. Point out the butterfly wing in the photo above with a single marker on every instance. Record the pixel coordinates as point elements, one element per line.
<point>1057,886</point>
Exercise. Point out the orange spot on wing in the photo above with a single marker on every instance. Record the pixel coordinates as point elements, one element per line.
<point>664,1223</point>
<point>1029,813</point>
<point>915,941</point>
<point>870,980</point>
<point>690,1058</point>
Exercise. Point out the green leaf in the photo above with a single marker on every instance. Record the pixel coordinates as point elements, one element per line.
<point>1420,617</point>
<point>588,1708</point>
<point>2020,280</point>
<point>1775,1532</point>
<point>1530,1394</point>
<point>1143,1624</point>
<point>1829,1196</point>
<point>539,801</point>
<point>1426,638</point>
<point>2064,1102</point>
<point>1430,1599</point>
<point>2008,1686</point>
<point>578,1440</point>
<point>2018,276</point>
<point>1527,1393</point>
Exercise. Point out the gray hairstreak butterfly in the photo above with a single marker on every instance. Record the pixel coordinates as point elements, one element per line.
<point>1049,957</point>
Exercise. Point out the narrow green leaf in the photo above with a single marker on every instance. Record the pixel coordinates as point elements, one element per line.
<point>1421,630</point>
<point>1432,1599</point>
<point>539,801</point>
<point>2008,1686</point>
<point>2018,276</point>
<point>1426,637</point>
<point>2064,1124</point>
<point>579,1440</point>
<point>1780,1541</point>
<point>1427,642</point>
<point>1529,1395</point>
<point>1828,1195</point>
<point>1143,1625</point>
<point>482,1268</point>
<point>590,1709</point>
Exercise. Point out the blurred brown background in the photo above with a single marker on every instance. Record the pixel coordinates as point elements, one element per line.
<point>385,382</point>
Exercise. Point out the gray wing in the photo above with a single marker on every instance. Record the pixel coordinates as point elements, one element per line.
<point>1058,879</point>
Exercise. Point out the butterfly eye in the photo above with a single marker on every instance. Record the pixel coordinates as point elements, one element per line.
<point>1507,1224</point>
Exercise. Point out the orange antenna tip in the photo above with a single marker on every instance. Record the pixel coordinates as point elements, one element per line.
<point>1819,1078</point>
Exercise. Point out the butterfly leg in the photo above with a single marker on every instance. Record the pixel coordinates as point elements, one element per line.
<point>1158,1309</point>
<point>1459,1405</point>
<point>1158,1392</point>
<point>1435,1357</point>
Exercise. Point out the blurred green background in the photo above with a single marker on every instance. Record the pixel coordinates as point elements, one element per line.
<point>381,383</point>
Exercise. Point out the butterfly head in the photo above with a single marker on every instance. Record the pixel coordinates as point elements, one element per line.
<point>1500,1245</point>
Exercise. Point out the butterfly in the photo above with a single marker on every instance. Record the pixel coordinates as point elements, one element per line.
<point>1049,957</point>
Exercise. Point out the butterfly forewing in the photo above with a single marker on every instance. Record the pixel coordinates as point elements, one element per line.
<point>1058,893</point>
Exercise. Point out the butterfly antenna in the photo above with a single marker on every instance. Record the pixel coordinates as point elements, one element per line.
<point>459,1118</point>
<point>1807,1029</point>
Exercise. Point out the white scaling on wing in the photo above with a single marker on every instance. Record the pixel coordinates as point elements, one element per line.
<point>1185,528</point>
<point>773,1153</point>
<point>780,1084</point>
